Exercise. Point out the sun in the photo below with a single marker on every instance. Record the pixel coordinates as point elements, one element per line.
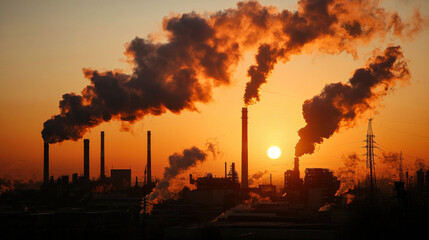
<point>274,152</point>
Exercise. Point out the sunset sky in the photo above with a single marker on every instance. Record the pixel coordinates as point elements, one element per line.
<point>44,45</point>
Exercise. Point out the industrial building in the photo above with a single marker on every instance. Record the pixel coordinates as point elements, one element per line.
<point>220,207</point>
<point>121,178</point>
<point>317,189</point>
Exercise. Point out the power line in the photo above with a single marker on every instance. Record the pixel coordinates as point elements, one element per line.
<point>407,133</point>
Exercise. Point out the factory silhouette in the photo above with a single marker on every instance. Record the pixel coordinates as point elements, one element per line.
<point>306,207</point>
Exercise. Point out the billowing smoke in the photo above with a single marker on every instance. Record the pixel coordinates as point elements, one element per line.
<point>420,164</point>
<point>330,26</point>
<point>245,207</point>
<point>212,147</point>
<point>178,163</point>
<point>389,167</point>
<point>255,178</point>
<point>349,175</point>
<point>340,104</point>
<point>201,52</point>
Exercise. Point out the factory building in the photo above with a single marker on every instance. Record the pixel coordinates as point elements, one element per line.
<point>317,189</point>
<point>214,191</point>
<point>121,178</point>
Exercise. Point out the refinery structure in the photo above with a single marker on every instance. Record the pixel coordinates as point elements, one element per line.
<point>307,205</point>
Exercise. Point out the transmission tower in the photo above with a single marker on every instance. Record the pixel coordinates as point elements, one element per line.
<point>370,165</point>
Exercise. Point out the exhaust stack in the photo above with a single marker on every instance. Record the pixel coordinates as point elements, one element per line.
<point>86,159</point>
<point>296,166</point>
<point>244,150</point>
<point>46,163</point>
<point>102,174</point>
<point>149,159</point>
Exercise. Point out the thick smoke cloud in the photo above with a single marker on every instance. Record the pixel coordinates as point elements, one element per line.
<point>201,52</point>
<point>339,104</point>
<point>326,25</point>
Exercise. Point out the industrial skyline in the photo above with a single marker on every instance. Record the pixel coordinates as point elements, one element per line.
<point>275,119</point>
<point>255,119</point>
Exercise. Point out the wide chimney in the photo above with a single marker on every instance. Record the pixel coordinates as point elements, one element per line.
<point>296,166</point>
<point>46,163</point>
<point>102,175</point>
<point>244,152</point>
<point>149,160</point>
<point>86,159</point>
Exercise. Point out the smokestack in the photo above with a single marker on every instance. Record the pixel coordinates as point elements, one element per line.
<point>102,175</point>
<point>46,163</point>
<point>149,160</point>
<point>244,153</point>
<point>296,166</point>
<point>86,158</point>
<point>271,179</point>
<point>226,175</point>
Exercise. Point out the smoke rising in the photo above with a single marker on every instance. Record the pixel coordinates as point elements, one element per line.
<point>340,104</point>
<point>178,163</point>
<point>349,174</point>
<point>256,177</point>
<point>328,26</point>
<point>201,52</point>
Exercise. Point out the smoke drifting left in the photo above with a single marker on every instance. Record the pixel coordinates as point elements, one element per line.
<point>164,78</point>
<point>202,50</point>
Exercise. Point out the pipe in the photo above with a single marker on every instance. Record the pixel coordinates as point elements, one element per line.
<point>296,167</point>
<point>244,150</point>
<point>149,159</point>
<point>102,174</point>
<point>46,163</point>
<point>86,158</point>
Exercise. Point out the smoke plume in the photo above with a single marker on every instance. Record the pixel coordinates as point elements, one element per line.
<point>349,174</point>
<point>201,52</point>
<point>178,163</point>
<point>256,177</point>
<point>420,164</point>
<point>340,104</point>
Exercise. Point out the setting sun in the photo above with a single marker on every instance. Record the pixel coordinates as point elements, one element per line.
<point>274,152</point>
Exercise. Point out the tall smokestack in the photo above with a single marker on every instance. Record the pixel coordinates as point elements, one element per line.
<point>46,163</point>
<point>102,175</point>
<point>296,166</point>
<point>244,153</point>
<point>149,160</point>
<point>86,158</point>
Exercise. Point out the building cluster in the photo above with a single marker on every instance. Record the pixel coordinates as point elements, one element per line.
<point>318,187</point>
<point>227,204</point>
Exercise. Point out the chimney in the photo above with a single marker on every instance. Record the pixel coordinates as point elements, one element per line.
<point>149,160</point>
<point>244,153</point>
<point>102,175</point>
<point>86,159</point>
<point>296,166</point>
<point>191,180</point>
<point>46,163</point>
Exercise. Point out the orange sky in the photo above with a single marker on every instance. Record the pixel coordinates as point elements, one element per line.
<point>45,45</point>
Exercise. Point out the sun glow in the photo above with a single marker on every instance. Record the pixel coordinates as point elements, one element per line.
<point>274,152</point>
